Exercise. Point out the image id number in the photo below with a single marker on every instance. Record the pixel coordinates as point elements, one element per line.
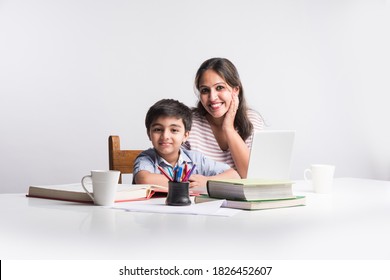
<point>242,270</point>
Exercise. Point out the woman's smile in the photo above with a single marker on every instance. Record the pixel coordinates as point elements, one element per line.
<point>216,105</point>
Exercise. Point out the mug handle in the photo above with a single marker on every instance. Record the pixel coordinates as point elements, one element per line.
<point>82,184</point>
<point>305,173</point>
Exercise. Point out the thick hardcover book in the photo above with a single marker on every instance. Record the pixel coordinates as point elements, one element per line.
<point>75,192</point>
<point>250,189</point>
<point>256,205</point>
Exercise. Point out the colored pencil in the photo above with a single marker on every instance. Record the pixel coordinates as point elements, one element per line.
<point>187,176</point>
<point>164,172</point>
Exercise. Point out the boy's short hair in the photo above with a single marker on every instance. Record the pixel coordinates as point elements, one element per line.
<point>169,108</point>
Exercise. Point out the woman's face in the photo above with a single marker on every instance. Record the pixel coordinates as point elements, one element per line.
<point>215,94</point>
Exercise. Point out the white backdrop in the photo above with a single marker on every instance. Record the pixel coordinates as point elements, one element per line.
<point>74,72</point>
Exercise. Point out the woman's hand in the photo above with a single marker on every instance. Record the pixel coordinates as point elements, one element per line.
<point>228,122</point>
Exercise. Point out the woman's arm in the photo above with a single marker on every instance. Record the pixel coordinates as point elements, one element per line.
<point>239,151</point>
<point>238,148</point>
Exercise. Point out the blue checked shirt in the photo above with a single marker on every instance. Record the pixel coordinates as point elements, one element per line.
<point>148,160</point>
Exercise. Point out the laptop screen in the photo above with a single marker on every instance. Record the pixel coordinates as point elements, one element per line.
<point>271,153</point>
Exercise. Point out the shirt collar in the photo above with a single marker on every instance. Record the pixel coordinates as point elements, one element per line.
<point>183,157</point>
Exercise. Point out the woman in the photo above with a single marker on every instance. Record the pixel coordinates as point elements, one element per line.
<point>223,125</point>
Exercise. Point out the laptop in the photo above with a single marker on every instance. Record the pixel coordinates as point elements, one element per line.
<point>270,155</point>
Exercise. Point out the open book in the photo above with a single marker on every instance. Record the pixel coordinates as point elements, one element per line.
<point>75,192</point>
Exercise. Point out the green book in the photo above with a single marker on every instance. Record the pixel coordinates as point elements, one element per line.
<point>256,205</point>
<point>250,189</point>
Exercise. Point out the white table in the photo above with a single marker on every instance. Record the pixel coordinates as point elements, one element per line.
<point>352,223</point>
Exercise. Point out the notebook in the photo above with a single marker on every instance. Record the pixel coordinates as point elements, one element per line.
<point>271,153</point>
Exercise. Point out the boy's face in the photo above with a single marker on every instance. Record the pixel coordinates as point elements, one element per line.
<point>167,134</point>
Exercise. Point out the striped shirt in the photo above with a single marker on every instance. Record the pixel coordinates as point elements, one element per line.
<point>202,139</point>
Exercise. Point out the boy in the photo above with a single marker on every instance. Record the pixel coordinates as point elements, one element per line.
<point>168,124</point>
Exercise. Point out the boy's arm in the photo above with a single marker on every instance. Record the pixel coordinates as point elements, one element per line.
<point>146,177</point>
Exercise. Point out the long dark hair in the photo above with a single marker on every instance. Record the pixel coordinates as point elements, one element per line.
<point>226,69</point>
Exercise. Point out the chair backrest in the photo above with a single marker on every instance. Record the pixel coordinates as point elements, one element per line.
<point>121,160</point>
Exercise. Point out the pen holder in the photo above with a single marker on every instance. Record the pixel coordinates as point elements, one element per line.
<point>178,194</point>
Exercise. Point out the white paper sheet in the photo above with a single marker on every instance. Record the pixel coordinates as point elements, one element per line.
<point>212,208</point>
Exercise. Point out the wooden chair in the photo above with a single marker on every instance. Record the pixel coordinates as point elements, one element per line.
<point>121,160</point>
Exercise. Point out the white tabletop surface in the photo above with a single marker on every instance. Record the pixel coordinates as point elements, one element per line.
<point>351,223</point>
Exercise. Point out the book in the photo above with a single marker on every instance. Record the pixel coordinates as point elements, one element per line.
<point>256,205</point>
<point>249,189</point>
<point>75,192</point>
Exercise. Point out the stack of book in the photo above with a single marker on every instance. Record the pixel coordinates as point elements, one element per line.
<point>251,194</point>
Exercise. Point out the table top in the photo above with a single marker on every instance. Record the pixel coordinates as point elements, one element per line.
<point>351,223</point>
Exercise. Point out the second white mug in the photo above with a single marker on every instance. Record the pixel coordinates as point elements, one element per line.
<point>321,177</point>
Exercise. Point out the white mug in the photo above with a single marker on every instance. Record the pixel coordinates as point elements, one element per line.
<point>104,186</point>
<point>321,177</point>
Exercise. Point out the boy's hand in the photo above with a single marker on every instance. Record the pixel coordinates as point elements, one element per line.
<point>197,181</point>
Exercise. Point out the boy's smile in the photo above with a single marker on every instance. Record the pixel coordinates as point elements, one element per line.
<point>167,134</point>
